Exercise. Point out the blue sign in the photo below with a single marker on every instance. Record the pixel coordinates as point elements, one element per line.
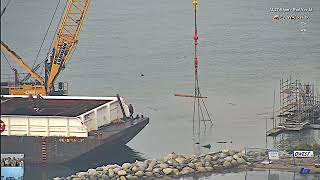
<point>12,173</point>
<point>305,171</point>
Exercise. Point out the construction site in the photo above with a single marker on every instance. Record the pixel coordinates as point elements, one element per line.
<point>299,107</point>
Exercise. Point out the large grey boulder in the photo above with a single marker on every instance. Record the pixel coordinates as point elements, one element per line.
<point>236,156</point>
<point>208,157</point>
<point>227,164</point>
<point>82,174</point>
<point>207,164</point>
<point>142,164</point>
<point>214,158</point>
<point>99,169</point>
<point>167,171</point>
<point>148,169</point>
<point>232,152</point>
<point>105,177</point>
<point>191,165</point>
<point>175,172</point>
<point>137,168</point>
<point>226,151</point>
<point>181,160</point>
<point>201,169</point>
<point>112,166</point>
<point>209,169</point>
<point>139,173</point>
<point>222,155</point>
<point>229,158</point>
<point>148,174</point>
<point>241,161</point>
<point>115,170</point>
<point>198,164</point>
<point>170,156</point>
<point>234,162</point>
<point>111,173</point>
<point>187,170</point>
<point>152,163</point>
<point>156,170</point>
<point>122,173</point>
<point>126,165</point>
<point>220,161</point>
<point>163,165</point>
<point>131,177</point>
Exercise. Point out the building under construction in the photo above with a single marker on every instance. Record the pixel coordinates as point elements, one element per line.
<point>299,105</point>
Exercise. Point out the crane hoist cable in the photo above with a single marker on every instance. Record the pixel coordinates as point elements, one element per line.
<point>198,112</point>
<point>5,7</point>
<point>56,31</point>
<point>7,60</point>
<point>34,70</point>
<point>37,67</point>
<point>53,38</point>
<point>54,13</point>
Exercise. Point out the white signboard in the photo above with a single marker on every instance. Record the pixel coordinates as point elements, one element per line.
<point>273,155</point>
<point>19,156</point>
<point>303,154</point>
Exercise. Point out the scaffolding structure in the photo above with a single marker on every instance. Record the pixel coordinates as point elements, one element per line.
<point>299,103</point>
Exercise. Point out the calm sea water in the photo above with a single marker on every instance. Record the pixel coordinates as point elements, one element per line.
<point>242,55</point>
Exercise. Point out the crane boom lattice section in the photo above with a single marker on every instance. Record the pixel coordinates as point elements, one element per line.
<point>66,40</point>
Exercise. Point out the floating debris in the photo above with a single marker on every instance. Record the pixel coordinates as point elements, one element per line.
<point>208,146</point>
<point>232,104</point>
<point>223,142</point>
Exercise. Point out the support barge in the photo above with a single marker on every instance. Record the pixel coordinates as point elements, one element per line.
<point>58,129</point>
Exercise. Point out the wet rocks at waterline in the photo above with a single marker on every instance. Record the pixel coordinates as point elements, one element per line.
<point>172,165</point>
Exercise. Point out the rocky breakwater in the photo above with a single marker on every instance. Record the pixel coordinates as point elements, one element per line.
<point>173,165</point>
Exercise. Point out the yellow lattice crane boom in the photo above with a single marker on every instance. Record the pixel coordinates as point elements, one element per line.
<point>67,36</point>
<point>63,46</point>
<point>15,89</point>
<point>20,62</point>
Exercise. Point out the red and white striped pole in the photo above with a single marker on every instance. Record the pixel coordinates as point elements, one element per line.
<point>44,151</point>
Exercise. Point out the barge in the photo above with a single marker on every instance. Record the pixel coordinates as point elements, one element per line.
<point>59,129</point>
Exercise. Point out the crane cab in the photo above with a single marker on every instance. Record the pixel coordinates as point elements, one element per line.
<point>34,90</point>
<point>14,86</point>
<point>63,47</point>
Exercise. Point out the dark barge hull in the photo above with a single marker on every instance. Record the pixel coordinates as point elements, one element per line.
<point>55,150</point>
